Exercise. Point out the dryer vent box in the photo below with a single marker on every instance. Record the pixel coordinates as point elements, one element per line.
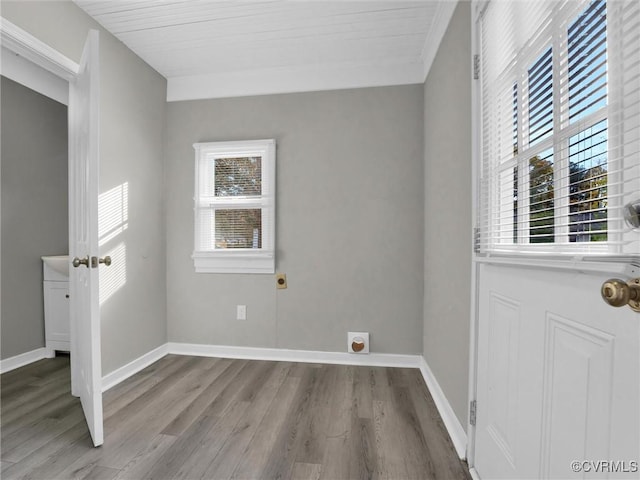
<point>358,342</point>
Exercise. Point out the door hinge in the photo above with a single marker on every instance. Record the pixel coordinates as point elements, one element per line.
<point>476,66</point>
<point>472,412</point>
<point>476,240</point>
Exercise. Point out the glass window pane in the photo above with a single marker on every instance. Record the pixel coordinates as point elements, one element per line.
<point>587,38</point>
<point>238,228</point>
<point>588,185</point>
<point>238,176</point>
<point>540,76</point>
<point>541,198</point>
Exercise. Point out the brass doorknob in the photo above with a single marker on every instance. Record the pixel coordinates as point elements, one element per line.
<point>76,262</point>
<point>619,293</point>
<point>106,260</point>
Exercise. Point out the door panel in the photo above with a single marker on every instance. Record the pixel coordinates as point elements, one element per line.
<point>577,381</point>
<point>558,375</point>
<point>503,373</point>
<point>86,374</point>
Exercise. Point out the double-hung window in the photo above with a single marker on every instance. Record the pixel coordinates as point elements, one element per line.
<point>560,129</point>
<point>235,207</point>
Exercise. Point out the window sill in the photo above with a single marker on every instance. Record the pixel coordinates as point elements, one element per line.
<point>234,262</point>
<point>612,264</point>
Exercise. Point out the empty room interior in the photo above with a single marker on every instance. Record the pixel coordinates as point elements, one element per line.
<point>320,240</point>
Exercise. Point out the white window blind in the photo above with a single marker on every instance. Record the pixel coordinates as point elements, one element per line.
<point>560,126</point>
<point>235,207</point>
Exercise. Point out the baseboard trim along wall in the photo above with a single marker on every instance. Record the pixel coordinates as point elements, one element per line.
<point>451,422</point>
<point>474,474</point>
<point>113,378</point>
<point>305,356</point>
<point>23,359</point>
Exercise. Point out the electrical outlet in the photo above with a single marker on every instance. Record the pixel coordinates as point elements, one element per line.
<point>241,312</point>
<point>281,280</point>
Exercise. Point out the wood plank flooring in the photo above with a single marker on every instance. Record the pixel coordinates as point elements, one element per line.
<point>205,418</point>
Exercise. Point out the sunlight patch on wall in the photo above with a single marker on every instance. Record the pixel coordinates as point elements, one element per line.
<point>113,213</point>
<point>114,277</point>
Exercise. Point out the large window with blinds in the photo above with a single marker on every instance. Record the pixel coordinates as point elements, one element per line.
<point>559,125</point>
<point>235,207</point>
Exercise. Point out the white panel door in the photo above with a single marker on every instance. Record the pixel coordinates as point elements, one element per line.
<point>86,374</point>
<point>558,377</point>
<point>558,156</point>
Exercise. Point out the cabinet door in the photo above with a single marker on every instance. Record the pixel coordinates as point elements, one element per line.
<point>57,315</point>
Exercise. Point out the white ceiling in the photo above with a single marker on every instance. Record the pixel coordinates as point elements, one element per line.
<point>214,48</point>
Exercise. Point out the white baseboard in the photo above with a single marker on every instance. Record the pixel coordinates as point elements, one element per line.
<point>454,427</point>
<point>23,359</point>
<point>112,379</point>
<point>305,356</point>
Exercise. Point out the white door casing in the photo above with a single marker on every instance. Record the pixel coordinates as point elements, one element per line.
<point>86,375</point>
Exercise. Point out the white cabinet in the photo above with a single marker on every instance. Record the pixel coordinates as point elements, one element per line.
<point>56,316</point>
<point>56,304</point>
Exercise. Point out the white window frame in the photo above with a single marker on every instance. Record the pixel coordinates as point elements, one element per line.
<point>551,36</point>
<point>239,260</point>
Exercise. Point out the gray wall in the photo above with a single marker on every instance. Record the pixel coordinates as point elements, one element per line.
<point>349,222</point>
<point>131,140</point>
<point>34,209</point>
<point>448,222</point>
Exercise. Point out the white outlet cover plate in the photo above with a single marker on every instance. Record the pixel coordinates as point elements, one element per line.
<point>352,335</point>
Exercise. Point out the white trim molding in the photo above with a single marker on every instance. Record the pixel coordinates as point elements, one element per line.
<point>438,28</point>
<point>474,474</point>
<point>29,47</point>
<point>26,73</point>
<point>110,380</point>
<point>293,79</point>
<point>23,359</point>
<point>304,356</point>
<point>451,422</point>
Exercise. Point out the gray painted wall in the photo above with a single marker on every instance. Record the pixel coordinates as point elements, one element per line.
<point>349,222</point>
<point>448,222</point>
<point>34,209</point>
<point>354,214</point>
<point>131,141</point>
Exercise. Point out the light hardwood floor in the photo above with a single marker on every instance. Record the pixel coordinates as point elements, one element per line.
<point>205,418</point>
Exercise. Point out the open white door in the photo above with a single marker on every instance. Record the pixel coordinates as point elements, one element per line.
<point>86,369</point>
<point>558,369</point>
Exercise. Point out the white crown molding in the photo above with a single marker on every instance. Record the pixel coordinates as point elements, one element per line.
<point>289,80</point>
<point>110,380</point>
<point>22,71</point>
<point>303,356</point>
<point>26,45</point>
<point>441,20</point>
<point>23,359</point>
<point>454,427</point>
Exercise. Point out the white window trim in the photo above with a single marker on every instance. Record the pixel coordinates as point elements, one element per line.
<point>610,250</point>
<point>240,260</point>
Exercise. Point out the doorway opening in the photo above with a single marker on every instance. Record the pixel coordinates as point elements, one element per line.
<point>34,186</point>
